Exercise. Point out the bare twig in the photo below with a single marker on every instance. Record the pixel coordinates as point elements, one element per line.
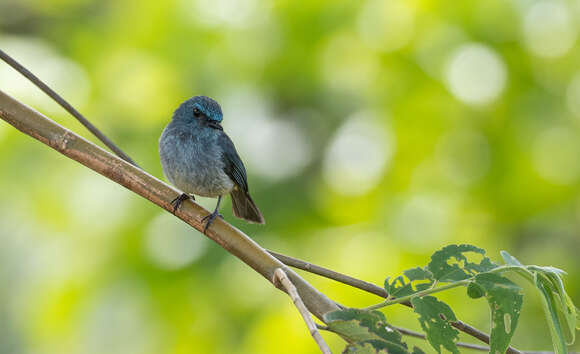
<point>233,240</point>
<point>64,104</point>
<point>331,274</point>
<point>374,289</point>
<point>281,279</point>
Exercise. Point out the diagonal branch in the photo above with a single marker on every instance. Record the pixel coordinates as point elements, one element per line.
<point>280,278</point>
<point>233,240</point>
<point>64,104</point>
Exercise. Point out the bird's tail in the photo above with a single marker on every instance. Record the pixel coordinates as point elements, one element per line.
<point>245,208</point>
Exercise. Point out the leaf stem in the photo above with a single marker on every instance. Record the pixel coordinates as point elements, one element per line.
<point>418,294</point>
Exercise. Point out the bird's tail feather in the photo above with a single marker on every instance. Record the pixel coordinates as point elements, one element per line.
<point>245,208</point>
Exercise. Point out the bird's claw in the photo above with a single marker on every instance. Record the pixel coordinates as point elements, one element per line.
<point>210,218</point>
<point>179,200</point>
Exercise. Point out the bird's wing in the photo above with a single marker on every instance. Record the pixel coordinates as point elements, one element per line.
<point>233,165</point>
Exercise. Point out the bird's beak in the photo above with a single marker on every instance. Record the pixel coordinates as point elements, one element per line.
<point>213,124</point>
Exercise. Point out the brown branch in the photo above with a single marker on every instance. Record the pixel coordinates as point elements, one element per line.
<point>374,289</point>
<point>233,240</point>
<point>64,104</point>
<point>281,278</point>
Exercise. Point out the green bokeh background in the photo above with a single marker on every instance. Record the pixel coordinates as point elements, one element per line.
<point>374,133</point>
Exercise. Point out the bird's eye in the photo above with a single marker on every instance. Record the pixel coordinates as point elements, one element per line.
<point>196,112</point>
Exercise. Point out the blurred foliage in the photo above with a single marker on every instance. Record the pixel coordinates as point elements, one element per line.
<point>374,133</point>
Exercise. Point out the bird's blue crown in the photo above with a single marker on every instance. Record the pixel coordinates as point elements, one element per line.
<point>207,106</point>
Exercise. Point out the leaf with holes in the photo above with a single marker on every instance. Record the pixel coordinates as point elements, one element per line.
<point>365,330</point>
<point>434,316</point>
<point>419,279</point>
<point>505,302</point>
<point>444,271</point>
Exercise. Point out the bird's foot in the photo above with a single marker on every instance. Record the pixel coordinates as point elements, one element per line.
<point>210,218</point>
<point>180,199</point>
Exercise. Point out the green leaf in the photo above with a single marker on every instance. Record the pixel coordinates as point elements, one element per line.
<point>437,328</point>
<point>443,270</point>
<point>399,287</point>
<point>364,331</point>
<point>561,313</point>
<point>505,303</point>
<point>551,311</point>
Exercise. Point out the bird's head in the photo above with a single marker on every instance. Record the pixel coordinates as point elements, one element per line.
<point>200,108</point>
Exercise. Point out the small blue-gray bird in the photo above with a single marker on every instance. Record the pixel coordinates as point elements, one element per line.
<point>200,159</point>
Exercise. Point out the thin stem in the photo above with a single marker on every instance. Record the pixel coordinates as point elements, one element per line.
<point>280,278</point>
<point>331,274</point>
<point>407,298</point>
<point>64,104</point>
<point>408,332</point>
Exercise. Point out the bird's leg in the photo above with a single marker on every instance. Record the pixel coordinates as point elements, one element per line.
<point>180,199</point>
<point>211,217</point>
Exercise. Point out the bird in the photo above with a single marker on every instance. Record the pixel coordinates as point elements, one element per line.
<point>199,158</point>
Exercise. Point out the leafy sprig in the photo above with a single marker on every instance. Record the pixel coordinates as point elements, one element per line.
<point>367,330</point>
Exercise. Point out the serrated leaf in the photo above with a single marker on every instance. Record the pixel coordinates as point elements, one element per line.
<point>462,269</point>
<point>439,331</point>
<point>365,330</point>
<point>399,287</point>
<point>505,302</point>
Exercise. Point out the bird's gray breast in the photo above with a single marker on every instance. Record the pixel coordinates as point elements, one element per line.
<point>192,160</point>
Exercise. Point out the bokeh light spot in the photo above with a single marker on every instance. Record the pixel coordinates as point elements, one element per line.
<point>232,13</point>
<point>271,147</point>
<point>171,244</point>
<point>433,46</point>
<point>119,322</point>
<point>423,220</point>
<point>556,153</point>
<point>358,155</point>
<point>90,202</point>
<point>548,28</point>
<point>476,74</point>
<point>386,25</point>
